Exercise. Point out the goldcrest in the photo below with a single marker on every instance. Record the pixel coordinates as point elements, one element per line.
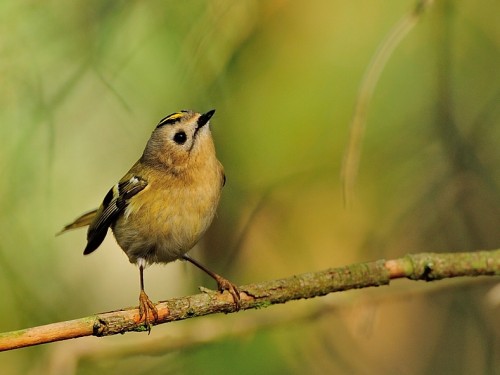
<point>164,204</point>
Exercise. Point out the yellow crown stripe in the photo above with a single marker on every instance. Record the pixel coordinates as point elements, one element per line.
<point>175,116</point>
<point>170,119</point>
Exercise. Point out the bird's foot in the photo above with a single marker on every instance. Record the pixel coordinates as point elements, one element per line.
<point>224,284</point>
<point>145,308</point>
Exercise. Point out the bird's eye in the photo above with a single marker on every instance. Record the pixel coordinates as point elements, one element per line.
<point>180,138</point>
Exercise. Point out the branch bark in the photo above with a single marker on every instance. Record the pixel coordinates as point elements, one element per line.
<point>424,266</point>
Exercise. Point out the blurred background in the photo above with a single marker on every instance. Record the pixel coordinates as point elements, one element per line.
<point>83,83</point>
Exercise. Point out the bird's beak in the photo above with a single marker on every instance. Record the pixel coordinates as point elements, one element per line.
<point>204,118</point>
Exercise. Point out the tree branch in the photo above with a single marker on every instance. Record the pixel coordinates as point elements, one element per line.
<point>424,266</point>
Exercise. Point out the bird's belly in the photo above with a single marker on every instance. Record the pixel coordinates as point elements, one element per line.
<point>162,233</point>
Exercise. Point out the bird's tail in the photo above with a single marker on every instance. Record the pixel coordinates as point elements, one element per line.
<point>82,221</point>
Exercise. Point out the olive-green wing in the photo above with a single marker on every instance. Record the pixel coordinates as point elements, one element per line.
<point>113,205</point>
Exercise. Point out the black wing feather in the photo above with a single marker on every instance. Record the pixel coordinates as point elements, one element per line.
<point>114,204</point>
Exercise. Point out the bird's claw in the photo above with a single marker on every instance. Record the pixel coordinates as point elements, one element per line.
<point>224,284</point>
<point>145,307</point>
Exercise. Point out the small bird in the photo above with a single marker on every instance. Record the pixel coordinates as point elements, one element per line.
<point>164,204</point>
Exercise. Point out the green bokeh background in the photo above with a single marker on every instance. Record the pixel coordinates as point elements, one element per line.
<point>84,82</point>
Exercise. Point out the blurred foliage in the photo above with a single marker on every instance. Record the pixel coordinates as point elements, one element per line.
<point>84,83</point>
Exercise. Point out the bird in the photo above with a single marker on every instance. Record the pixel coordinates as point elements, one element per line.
<point>164,204</point>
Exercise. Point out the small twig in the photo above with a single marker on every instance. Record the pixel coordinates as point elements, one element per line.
<point>425,266</point>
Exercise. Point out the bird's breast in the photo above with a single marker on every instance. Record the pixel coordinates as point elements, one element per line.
<point>164,221</point>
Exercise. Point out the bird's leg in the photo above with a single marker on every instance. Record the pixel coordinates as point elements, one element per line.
<point>222,283</point>
<point>145,304</point>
